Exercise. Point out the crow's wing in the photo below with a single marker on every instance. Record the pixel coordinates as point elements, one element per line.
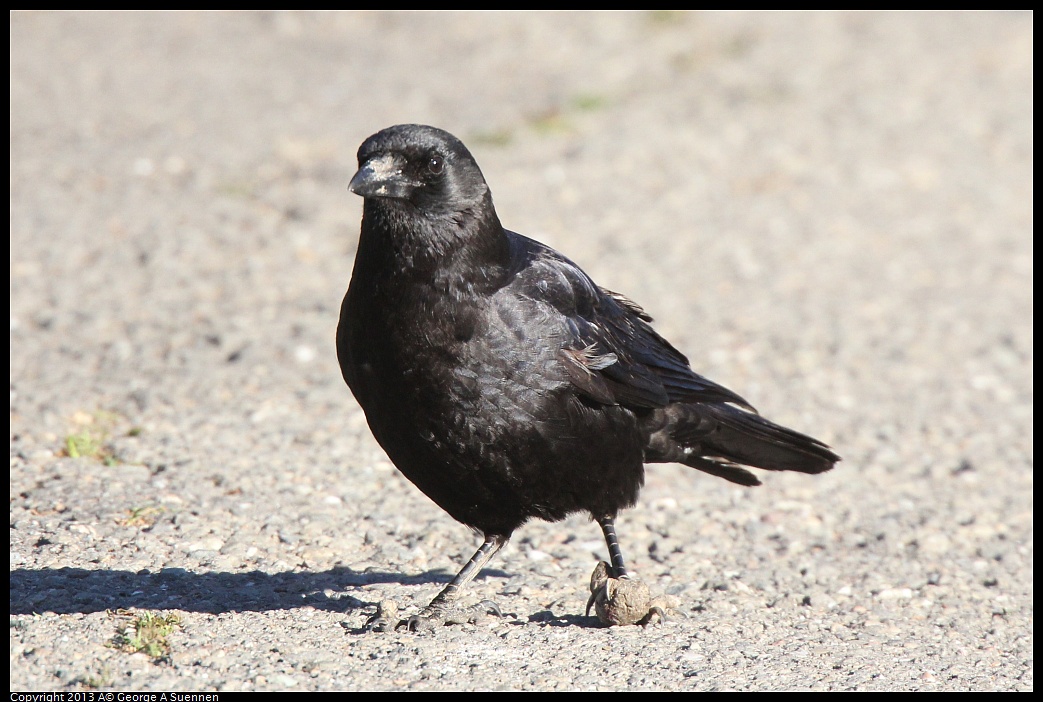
<point>611,353</point>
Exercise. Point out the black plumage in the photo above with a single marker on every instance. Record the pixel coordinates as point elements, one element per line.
<point>501,380</point>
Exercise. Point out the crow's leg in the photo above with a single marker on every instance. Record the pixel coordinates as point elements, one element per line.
<point>483,555</point>
<point>608,527</point>
<point>617,570</point>
<point>617,598</point>
<point>440,611</point>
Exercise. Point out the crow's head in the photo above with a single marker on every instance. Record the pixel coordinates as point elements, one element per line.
<point>427,168</point>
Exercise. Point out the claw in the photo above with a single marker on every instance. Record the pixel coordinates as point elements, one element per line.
<point>656,613</point>
<point>419,623</point>
<point>387,612</point>
<point>491,608</point>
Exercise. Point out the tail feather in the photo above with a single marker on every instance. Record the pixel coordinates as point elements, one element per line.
<point>752,440</point>
<point>719,439</point>
<point>722,469</point>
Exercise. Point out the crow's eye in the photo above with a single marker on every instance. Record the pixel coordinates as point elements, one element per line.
<point>436,164</point>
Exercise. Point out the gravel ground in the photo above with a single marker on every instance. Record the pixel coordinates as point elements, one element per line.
<point>830,213</point>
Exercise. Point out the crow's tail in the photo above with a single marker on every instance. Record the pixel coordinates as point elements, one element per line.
<point>719,439</point>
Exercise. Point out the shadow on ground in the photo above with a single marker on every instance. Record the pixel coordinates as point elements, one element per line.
<point>77,590</point>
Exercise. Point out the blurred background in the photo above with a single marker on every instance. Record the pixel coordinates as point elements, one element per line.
<point>830,213</point>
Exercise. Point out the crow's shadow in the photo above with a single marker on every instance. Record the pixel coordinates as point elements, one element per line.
<point>82,591</point>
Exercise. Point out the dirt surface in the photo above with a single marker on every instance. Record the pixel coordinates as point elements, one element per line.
<point>829,213</point>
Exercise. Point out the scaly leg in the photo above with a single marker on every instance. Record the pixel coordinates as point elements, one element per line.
<point>608,527</point>
<point>440,609</point>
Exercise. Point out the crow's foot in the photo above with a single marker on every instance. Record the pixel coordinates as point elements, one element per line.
<point>623,601</point>
<point>386,618</point>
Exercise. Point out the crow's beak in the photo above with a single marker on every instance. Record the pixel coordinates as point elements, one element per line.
<point>381,176</point>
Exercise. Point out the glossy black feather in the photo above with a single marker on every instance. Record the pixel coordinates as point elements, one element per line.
<point>499,378</point>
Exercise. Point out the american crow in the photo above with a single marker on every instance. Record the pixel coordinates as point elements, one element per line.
<point>501,380</point>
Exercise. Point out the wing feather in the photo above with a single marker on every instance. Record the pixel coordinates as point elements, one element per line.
<point>646,371</point>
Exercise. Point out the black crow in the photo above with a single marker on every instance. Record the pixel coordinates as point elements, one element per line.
<point>501,380</point>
